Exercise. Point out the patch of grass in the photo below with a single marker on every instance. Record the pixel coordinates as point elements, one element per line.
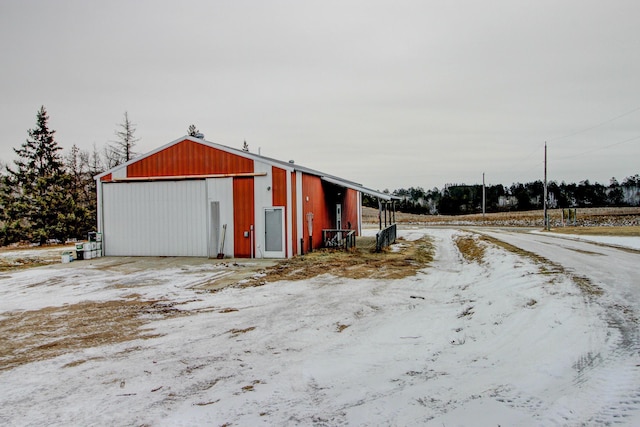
<point>467,312</point>
<point>340,327</point>
<point>582,251</point>
<point>363,262</point>
<point>251,387</point>
<point>630,231</point>
<point>586,286</point>
<point>235,332</point>
<point>211,402</point>
<point>424,251</point>
<point>24,263</point>
<point>30,336</point>
<point>470,248</point>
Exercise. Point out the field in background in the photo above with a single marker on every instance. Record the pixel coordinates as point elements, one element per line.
<point>626,220</point>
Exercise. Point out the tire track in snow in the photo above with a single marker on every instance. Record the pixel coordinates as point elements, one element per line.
<point>612,378</point>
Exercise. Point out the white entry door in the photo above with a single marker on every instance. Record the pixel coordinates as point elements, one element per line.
<point>274,239</point>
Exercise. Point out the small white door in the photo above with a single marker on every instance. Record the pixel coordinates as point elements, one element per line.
<point>274,239</point>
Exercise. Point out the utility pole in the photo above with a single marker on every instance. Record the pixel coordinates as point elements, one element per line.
<point>546,219</point>
<point>484,194</point>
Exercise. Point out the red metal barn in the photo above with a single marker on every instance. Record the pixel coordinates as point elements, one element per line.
<point>193,197</point>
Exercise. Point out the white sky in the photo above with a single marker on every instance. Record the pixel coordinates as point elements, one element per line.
<point>387,93</point>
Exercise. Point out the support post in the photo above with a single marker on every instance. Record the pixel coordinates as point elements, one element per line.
<point>385,214</point>
<point>393,205</point>
<point>546,217</point>
<point>483,196</point>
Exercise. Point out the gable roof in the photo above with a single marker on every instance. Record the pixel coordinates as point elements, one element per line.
<point>274,162</point>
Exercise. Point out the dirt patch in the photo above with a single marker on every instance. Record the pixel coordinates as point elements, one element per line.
<point>402,260</point>
<point>235,332</point>
<point>17,257</point>
<point>341,327</point>
<point>30,336</point>
<point>25,262</point>
<point>470,248</point>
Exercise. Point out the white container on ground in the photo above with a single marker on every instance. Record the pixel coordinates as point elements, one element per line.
<point>66,257</point>
<point>87,252</point>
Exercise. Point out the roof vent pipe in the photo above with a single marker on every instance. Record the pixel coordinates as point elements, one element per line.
<point>291,161</point>
<point>199,135</point>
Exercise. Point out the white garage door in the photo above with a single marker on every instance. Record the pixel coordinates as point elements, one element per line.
<point>165,218</point>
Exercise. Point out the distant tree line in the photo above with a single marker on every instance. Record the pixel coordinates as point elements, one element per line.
<point>458,199</point>
<point>48,195</point>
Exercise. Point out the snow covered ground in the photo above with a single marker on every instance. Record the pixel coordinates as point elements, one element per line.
<point>512,340</point>
<point>631,242</point>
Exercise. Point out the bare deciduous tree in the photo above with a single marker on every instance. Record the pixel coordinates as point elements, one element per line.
<point>121,151</point>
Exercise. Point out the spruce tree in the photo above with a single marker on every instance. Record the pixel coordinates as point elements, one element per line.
<point>36,202</point>
<point>193,131</point>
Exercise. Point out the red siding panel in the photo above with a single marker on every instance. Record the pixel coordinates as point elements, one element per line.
<point>189,158</point>
<point>314,201</point>
<point>243,214</point>
<point>279,190</point>
<point>107,177</point>
<point>350,209</point>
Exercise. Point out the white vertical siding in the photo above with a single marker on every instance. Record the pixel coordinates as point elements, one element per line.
<point>221,190</point>
<point>166,218</point>
<point>300,220</point>
<point>291,245</point>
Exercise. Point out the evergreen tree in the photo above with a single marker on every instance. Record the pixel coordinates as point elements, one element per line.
<point>193,131</point>
<point>35,200</point>
<point>121,151</point>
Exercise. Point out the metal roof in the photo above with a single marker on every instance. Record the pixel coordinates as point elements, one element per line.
<point>279,163</point>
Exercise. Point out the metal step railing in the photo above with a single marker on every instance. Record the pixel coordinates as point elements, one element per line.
<point>339,239</point>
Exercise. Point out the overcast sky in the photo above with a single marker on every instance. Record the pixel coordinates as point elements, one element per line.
<point>390,94</point>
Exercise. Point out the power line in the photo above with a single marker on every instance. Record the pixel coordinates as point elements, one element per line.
<point>599,148</point>
<point>595,126</point>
